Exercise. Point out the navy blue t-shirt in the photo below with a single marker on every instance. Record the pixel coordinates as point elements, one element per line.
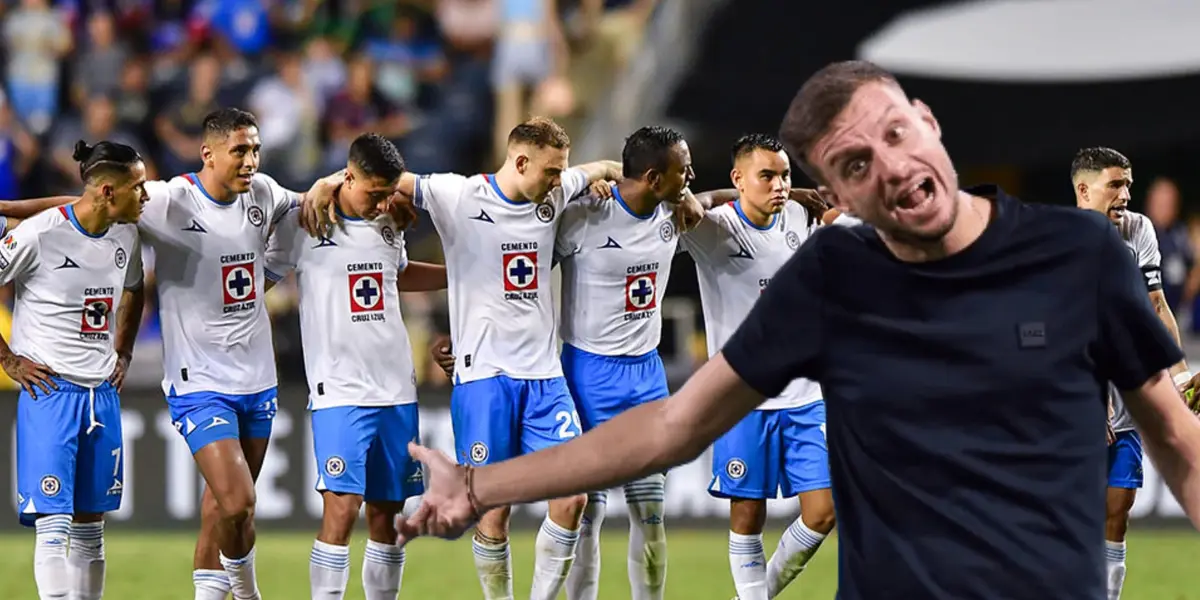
<point>965,398</point>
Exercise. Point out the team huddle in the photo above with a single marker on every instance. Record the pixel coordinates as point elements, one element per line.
<point>223,236</point>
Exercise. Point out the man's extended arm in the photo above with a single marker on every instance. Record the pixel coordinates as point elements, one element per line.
<point>601,170</point>
<point>23,209</point>
<point>1159,301</point>
<point>422,277</point>
<point>644,440</point>
<point>1171,434</point>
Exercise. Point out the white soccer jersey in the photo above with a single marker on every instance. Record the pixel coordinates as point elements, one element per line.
<point>498,260</point>
<point>68,290</point>
<point>735,260</point>
<point>1138,232</point>
<point>356,349</point>
<point>615,268</point>
<point>208,259</point>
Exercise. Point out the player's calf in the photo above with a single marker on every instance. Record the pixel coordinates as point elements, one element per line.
<point>647,537</point>
<point>583,581</point>
<point>747,560</point>
<point>50,569</point>
<point>383,561</point>
<point>554,550</point>
<point>329,562</point>
<point>227,473</point>
<point>85,560</point>
<point>493,559</point>
<point>801,540</point>
<point>1118,504</point>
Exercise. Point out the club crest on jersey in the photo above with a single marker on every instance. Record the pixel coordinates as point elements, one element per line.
<point>735,468</point>
<point>366,294</point>
<point>545,212</point>
<point>255,215</point>
<point>640,295</point>
<point>666,231</point>
<point>121,258</point>
<point>389,236</point>
<point>237,282</point>
<point>51,486</point>
<point>97,306</point>
<point>793,240</point>
<point>520,265</point>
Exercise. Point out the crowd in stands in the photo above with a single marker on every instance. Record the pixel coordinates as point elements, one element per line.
<point>444,79</point>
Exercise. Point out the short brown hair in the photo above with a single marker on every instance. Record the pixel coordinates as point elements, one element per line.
<point>820,100</point>
<point>541,132</point>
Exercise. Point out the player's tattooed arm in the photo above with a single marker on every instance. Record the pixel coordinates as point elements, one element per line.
<point>129,320</point>
<point>1159,301</point>
<point>422,277</point>
<point>601,170</point>
<point>23,209</point>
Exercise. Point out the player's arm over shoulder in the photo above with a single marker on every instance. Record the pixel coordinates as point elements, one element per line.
<point>433,190</point>
<point>284,245</point>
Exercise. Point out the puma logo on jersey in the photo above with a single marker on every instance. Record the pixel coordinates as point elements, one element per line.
<point>483,216</point>
<point>195,227</point>
<point>67,264</point>
<point>611,243</point>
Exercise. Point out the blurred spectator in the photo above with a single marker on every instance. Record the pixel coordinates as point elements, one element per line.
<point>408,62</point>
<point>241,24</point>
<point>36,38</point>
<point>289,122</point>
<point>357,109</point>
<point>1178,261</point>
<point>531,58</point>
<point>99,68</point>
<point>132,99</point>
<point>324,69</point>
<point>179,128</point>
<point>99,122</point>
<point>469,26</point>
<point>18,151</point>
<point>609,32</point>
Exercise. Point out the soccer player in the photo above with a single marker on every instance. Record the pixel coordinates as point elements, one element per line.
<point>208,232</point>
<point>1102,178</point>
<point>75,268</point>
<point>781,444</point>
<point>509,395</point>
<point>362,394</point>
<point>615,257</point>
<point>963,341</point>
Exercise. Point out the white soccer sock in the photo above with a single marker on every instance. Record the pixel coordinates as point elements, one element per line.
<point>210,584</point>
<point>328,570</point>
<point>1114,553</point>
<point>383,568</point>
<point>583,581</point>
<point>242,582</point>
<point>50,556</point>
<point>748,564</point>
<point>647,537</point>
<point>554,551</point>
<point>796,548</point>
<point>85,563</point>
<point>493,563</point>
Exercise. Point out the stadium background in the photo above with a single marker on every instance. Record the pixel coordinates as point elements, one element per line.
<point>1048,80</point>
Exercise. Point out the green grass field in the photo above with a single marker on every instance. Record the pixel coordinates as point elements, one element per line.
<point>158,567</point>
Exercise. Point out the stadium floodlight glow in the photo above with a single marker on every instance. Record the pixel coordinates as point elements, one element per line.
<point>1041,41</point>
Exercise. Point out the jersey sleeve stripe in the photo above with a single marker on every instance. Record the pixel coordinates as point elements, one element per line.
<point>419,192</point>
<point>271,275</point>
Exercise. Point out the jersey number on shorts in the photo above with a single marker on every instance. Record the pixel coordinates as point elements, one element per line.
<point>565,420</point>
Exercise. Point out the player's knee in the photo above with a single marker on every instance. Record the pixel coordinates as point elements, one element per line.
<point>341,511</point>
<point>570,506</point>
<point>747,517</point>
<point>237,507</point>
<point>821,520</point>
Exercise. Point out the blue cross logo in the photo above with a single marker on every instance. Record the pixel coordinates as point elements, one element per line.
<point>366,292</point>
<point>519,270</point>
<point>239,282</point>
<point>641,292</point>
<point>96,314</point>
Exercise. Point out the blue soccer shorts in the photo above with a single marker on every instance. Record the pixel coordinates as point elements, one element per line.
<point>771,451</point>
<point>1125,461</point>
<point>500,417</point>
<point>605,386</point>
<point>363,450</point>
<point>69,452</point>
<point>206,417</point>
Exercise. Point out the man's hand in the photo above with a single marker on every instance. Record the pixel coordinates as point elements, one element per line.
<point>688,212</point>
<point>402,211</point>
<point>812,203</point>
<point>1110,433</point>
<point>1188,390</point>
<point>601,189</point>
<point>442,356</point>
<point>117,379</point>
<point>446,510</point>
<point>29,374</point>
<point>318,210</point>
